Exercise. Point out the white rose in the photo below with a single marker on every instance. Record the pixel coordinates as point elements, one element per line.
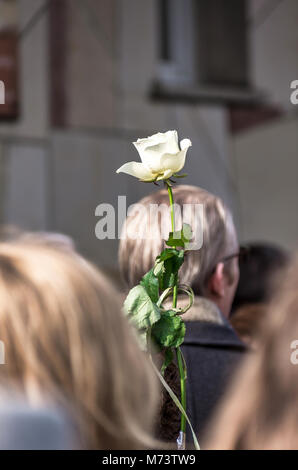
<point>160,155</point>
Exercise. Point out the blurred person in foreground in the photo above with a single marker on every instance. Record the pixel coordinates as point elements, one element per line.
<point>68,345</point>
<point>258,269</point>
<point>27,427</point>
<point>260,410</point>
<point>211,347</point>
<point>12,233</point>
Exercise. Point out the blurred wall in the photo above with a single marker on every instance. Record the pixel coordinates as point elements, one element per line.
<point>274,48</point>
<point>54,177</point>
<point>266,157</point>
<point>24,144</point>
<point>267,171</point>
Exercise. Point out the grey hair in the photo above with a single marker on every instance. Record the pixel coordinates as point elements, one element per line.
<point>137,253</point>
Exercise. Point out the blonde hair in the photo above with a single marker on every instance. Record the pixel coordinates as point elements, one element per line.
<point>137,253</point>
<point>65,338</point>
<point>260,410</point>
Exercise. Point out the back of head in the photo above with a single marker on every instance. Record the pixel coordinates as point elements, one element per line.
<point>149,223</point>
<point>260,410</point>
<point>246,322</point>
<point>257,272</point>
<point>66,338</point>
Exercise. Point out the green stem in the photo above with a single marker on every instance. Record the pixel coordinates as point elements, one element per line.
<point>182,387</point>
<point>170,193</point>
<point>178,352</point>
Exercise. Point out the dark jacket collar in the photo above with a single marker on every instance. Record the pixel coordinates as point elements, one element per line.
<point>212,335</point>
<point>207,326</point>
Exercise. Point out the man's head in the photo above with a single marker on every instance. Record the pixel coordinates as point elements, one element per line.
<point>212,271</point>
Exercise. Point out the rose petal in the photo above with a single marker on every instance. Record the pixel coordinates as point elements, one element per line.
<point>151,140</point>
<point>174,163</point>
<point>185,144</point>
<point>138,170</point>
<point>171,143</point>
<point>160,155</point>
<point>142,144</point>
<point>152,148</point>
<point>166,174</point>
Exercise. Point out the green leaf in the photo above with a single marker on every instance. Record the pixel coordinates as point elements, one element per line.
<point>139,306</point>
<point>175,239</point>
<point>169,331</point>
<point>180,237</point>
<point>166,267</point>
<point>151,284</point>
<point>168,359</point>
<point>182,175</point>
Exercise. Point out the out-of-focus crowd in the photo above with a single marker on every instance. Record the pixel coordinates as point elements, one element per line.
<point>75,376</point>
